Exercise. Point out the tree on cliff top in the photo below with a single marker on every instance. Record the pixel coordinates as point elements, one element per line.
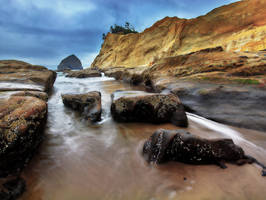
<point>116,29</point>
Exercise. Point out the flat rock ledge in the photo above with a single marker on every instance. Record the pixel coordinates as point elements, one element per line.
<point>88,104</point>
<point>24,92</point>
<point>87,73</point>
<point>22,121</point>
<point>17,76</point>
<point>137,106</point>
<point>40,95</point>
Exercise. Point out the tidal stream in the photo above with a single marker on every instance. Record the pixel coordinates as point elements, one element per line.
<point>82,161</point>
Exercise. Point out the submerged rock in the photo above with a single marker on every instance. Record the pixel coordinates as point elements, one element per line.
<point>22,121</point>
<point>178,145</point>
<point>86,73</point>
<point>70,62</point>
<point>137,106</point>
<point>89,104</point>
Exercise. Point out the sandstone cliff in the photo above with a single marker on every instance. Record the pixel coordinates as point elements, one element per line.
<point>240,26</point>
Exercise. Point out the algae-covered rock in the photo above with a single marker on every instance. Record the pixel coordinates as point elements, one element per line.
<point>22,121</point>
<point>179,145</point>
<point>89,104</point>
<point>136,106</point>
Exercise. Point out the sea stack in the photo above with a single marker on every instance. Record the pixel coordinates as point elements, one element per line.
<point>71,62</point>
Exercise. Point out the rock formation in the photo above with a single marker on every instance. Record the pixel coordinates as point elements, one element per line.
<point>85,73</point>
<point>18,75</point>
<point>178,145</point>
<point>213,83</point>
<point>23,110</point>
<point>136,106</point>
<point>88,104</point>
<point>71,62</point>
<point>22,121</point>
<point>239,26</point>
<point>192,57</point>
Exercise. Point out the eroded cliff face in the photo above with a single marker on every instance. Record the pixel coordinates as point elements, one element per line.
<point>240,26</point>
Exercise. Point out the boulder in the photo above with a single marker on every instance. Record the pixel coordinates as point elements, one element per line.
<point>70,62</point>
<point>179,145</point>
<point>137,106</point>
<point>22,121</point>
<point>86,73</point>
<point>89,104</point>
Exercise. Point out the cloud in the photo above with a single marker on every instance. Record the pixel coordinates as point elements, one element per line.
<point>46,31</point>
<point>87,58</point>
<point>65,8</point>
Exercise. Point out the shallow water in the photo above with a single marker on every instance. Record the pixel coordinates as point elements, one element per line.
<point>10,86</point>
<point>79,160</point>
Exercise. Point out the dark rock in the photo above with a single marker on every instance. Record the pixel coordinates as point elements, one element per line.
<point>86,73</point>
<point>136,106</point>
<point>70,62</point>
<point>89,104</point>
<point>22,120</point>
<point>233,105</point>
<point>12,189</point>
<point>178,145</point>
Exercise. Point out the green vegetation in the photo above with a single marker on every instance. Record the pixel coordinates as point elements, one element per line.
<point>232,80</point>
<point>247,81</point>
<point>126,29</point>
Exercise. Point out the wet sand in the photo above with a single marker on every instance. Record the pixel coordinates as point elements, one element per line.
<point>79,160</point>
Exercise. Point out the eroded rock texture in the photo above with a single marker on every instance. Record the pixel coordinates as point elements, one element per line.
<point>240,26</point>
<point>17,75</point>
<point>86,73</point>
<point>22,121</point>
<point>89,104</point>
<point>179,145</point>
<point>136,106</point>
<point>41,95</point>
<point>70,62</point>
<point>212,83</point>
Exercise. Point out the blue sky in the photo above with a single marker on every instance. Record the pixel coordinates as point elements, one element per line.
<point>45,31</point>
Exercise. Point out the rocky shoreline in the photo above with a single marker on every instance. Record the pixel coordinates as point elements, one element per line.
<point>23,113</point>
<point>227,87</point>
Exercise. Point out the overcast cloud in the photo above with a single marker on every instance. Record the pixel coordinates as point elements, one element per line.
<point>45,31</point>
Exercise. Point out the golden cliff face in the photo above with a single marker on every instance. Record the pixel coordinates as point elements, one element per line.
<point>239,26</point>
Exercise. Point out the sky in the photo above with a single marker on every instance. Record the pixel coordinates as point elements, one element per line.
<point>44,32</point>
